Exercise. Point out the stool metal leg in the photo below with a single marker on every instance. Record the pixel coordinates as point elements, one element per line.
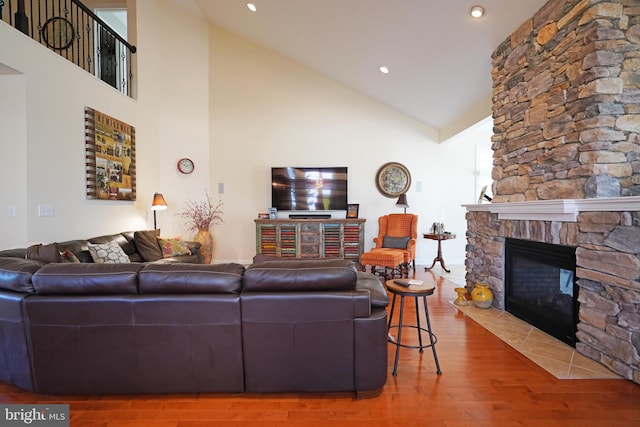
<point>399,340</point>
<point>417,300</point>
<point>431,339</point>
<point>393,306</point>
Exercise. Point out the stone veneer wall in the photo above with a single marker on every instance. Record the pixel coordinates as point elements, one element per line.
<point>567,126</point>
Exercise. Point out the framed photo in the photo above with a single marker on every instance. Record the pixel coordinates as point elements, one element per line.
<point>110,157</point>
<point>483,195</point>
<point>273,213</point>
<point>352,210</point>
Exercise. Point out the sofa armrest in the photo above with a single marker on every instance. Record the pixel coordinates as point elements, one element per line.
<point>377,292</point>
<point>195,248</point>
<point>16,274</point>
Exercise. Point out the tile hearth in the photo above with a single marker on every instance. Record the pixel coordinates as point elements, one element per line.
<point>559,359</point>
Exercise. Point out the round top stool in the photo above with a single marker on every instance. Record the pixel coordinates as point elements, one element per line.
<point>418,292</point>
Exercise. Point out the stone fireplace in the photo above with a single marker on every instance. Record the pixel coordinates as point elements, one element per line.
<point>566,112</point>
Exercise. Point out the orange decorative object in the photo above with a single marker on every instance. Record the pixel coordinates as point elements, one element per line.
<point>482,296</point>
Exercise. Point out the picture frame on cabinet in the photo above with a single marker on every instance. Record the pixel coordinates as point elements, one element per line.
<point>352,210</point>
<point>273,213</point>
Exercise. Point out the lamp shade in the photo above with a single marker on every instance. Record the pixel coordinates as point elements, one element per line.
<point>158,204</point>
<point>402,201</point>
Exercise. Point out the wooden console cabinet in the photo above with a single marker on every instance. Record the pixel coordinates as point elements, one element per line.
<point>310,238</point>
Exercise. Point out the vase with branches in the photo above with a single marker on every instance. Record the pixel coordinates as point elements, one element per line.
<point>201,216</point>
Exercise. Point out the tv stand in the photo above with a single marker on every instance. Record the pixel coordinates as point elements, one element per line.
<point>309,216</point>
<point>311,238</point>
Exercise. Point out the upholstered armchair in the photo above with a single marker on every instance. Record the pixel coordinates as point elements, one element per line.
<point>399,231</point>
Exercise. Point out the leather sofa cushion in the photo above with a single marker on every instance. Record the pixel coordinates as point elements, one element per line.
<point>301,275</point>
<point>85,279</point>
<point>182,278</point>
<point>146,242</point>
<point>45,253</point>
<point>15,253</point>
<point>15,274</point>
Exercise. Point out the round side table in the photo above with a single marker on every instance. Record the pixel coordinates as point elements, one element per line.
<point>417,292</point>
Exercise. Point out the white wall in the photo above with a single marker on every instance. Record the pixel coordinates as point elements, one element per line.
<point>267,111</point>
<point>233,107</point>
<point>13,143</point>
<point>170,114</point>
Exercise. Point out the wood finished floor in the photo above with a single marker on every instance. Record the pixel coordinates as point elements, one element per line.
<point>485,382</point>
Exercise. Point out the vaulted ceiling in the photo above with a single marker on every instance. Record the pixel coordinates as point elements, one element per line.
<point>438,56</point>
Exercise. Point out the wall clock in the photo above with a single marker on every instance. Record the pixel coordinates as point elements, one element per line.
<point>393,179</point>
<point>185,165</point>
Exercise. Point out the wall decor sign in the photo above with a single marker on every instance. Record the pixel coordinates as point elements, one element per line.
<point>110,157</point>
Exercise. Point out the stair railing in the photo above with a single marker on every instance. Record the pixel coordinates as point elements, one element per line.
<point>73,31</point>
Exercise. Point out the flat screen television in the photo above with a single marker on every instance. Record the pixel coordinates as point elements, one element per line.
<point>309,189</point>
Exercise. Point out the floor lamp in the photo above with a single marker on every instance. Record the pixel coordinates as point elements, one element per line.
<point>402,202</point>
<point>158,204</point>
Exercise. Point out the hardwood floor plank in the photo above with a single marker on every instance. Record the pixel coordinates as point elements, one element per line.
<point>485,382</point>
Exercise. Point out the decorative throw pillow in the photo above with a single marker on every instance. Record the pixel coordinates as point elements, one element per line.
<point>395,242</point>
<point>173,247</point>
<point>44,253</point>
<point>147,244</point>
<point>108,253</point>
<point>68,256</point>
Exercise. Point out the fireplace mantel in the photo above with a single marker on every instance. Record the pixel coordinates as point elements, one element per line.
<point>565,210</point>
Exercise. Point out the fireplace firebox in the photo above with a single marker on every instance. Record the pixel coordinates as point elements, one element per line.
<point>541,288</point>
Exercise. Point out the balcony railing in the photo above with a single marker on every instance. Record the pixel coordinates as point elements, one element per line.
<point>73,31</point>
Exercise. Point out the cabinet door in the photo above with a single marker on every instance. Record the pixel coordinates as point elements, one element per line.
<point>288,240</point>
<point>353,239</point>
<point>332,239</point>
<point>310,238</point>
<point>267,243</point>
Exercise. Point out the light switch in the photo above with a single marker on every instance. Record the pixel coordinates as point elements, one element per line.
<point>11,210</point>
<point>221,188</point>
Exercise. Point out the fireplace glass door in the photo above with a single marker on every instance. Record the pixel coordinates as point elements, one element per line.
<point>540,286</point>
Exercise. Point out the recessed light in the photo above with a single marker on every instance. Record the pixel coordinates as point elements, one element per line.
<point>477,11</point>
<point>251,7</point>
<point>384,70</point>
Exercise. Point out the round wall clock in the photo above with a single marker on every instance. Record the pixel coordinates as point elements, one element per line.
<point>58,32</point>
<point>393,179</point>
<point>185,165</point>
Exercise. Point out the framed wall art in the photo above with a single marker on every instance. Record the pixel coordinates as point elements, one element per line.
<point>393,179</point>
<point>110,157</point>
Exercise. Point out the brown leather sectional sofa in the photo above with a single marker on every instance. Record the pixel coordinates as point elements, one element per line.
<point>274,326</point>
<point>135,244</point>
